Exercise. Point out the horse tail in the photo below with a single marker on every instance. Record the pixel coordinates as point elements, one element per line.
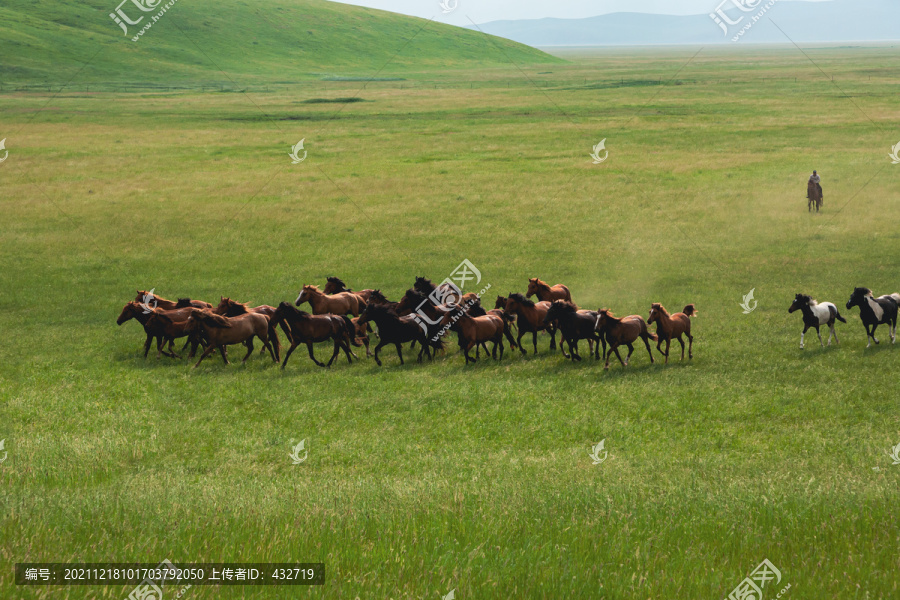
<point>837,315</point>
<point>350,331</point>
<point>690,310</point>
<point>568,294</point>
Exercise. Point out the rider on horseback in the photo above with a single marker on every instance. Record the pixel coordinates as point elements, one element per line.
<point>814,178</point>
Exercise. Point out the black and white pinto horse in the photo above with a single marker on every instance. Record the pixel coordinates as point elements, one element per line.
<point>875,311</point>
<point>815,315</point>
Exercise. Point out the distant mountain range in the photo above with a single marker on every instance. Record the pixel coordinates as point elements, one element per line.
<point>835,21</point>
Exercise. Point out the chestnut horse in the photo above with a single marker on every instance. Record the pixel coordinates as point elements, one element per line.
<point>309,329</point>
<point>624,331</point>
<point>229,308</point>
<point>224,331</point>
<point>474,331</point>
<point>168,304</point>
<point>530,317</point>
<point>545,293</point>
<point>336,304</point>
<point>669,327</point>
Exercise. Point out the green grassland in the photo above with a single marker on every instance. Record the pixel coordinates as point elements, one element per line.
<point>427,478</point>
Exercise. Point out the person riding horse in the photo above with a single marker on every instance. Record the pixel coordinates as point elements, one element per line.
<point>814,178</point>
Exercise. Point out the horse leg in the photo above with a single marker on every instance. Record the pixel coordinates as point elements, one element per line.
<point>147,344</point>
<point>534,339</point>
<point>380,345</point>
<point>309,348</point>
<point>874,327</point>
<point>249,349</point>
<point>630,352</point>
<point>519,342</point>
<point>337,350</point>
<point>647,343</point>
<point>833,333</point>
<point>400,351</point>
<point>803,335</point>
<point>289,352</point>
<point>668,341</point>
<point>681,341</point>
<point>819,333</point>
<point>206,353</point>
<point>552,331</point>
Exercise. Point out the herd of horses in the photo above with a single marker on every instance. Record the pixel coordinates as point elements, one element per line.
<point>346,317</point>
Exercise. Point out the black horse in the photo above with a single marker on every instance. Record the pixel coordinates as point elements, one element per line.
<point>575,325</point>
<point>394,329</point>
<point>875,311</point>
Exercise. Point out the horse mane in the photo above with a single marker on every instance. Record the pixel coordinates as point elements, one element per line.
<point>287,306</point>
<point>564,306</point>
<point>312,287</point>
<point>240,308</point>
<point>521,299</point>
<point>183,303</point>
<point>377,295</point>
<point>477,310</point>
<point>862,291</point>
<point>424,282</point>
<point>541,284</point>
<point>416,296</point>
<point>212,319</point>
<point>382,309</point>
<point>338,281</point>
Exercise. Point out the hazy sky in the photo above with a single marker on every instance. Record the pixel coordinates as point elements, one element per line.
<point>482,11</point>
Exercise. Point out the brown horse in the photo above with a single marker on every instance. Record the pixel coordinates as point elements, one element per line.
<point>224,331</point>
<point>166,329</point>
<point>624,331</point>
<point>814,195</point>
<point>154,300</point>
<point>229,308</point>
<point>336,304</point>
<point>673,327</point>
<point>545,293</point>
<point>138,312</point>
<point>335,285</point>
<point>309,329</point>
<point>473,331</point>
<point>530,317</point>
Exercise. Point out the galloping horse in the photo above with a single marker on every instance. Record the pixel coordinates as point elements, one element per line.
<point>394,329</point>
<point>531,319</point>
<point>138,312</point>
<point>624,331</point>
<point>669,327</point>
<point>308,329</point>
<point>223,331</point>
<point>814,195</point>
<point>545,293</point>
<point>229,308</point>
<point>815,314</point>
<point>337,304</point>
<point>875,311</point>
<point>575,325</point>
<point>474,331</point>
<point>168,304</point>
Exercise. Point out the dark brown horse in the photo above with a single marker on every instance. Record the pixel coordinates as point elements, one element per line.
<point>530,317</point>
<point>224,331</point>
<point>575,325</point>
<point>814,195</point>
<point>139,312</point>
<point>162,326</point>
<point>151,299</point>
<point>545,293</point>
<point>394,329</point>
<point>673,327</point>
<point>229,308</point>
<point>310,329</point>
<point>624,331</point>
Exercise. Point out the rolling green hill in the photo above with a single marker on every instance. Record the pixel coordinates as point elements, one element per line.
<point>197,40</point>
